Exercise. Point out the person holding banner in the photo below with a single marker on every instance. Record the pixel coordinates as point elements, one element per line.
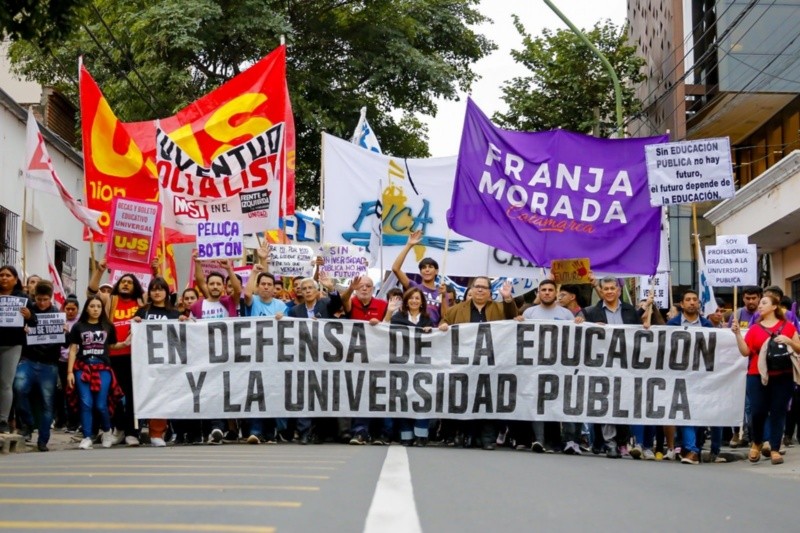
<point>690,451</point>
<point>38,371</point>
<point>480,308</point>
<point>158,307</point>
<point>89,370</point>
<point>313,307</point>
<point>411,312</point>
<point>16,311</point>
<point>611,310</point>
<point>769,385</point>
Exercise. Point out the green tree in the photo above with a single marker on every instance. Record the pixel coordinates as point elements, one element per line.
<point>567,82</point>
<point>390,55</point>
<point>40,21</point>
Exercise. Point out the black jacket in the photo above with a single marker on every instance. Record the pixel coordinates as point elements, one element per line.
<point>324,308</point>
<point>597,313</point>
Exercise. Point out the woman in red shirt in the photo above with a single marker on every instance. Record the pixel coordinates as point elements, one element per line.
<point>772,396</point>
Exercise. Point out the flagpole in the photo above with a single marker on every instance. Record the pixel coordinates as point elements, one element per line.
<point>164,253</point>
<point>444,259</point>
<point>735,298</point>
<point>322,192</point>
<point>24,233</point>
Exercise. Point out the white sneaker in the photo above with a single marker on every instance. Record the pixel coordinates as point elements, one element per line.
<point>107,439</point>
<point>215,437</point>
<point>86,444</point>
<point>118,435</point>
<point>130,440</point>
<point>572,448</point>
<point>649,455</point>
<point>157,442</point>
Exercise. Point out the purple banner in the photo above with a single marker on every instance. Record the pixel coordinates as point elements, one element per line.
<point>556,194</point>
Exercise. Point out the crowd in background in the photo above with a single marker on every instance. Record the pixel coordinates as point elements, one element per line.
<point>84,386</point>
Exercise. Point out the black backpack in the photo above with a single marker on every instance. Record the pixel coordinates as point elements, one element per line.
<point>779,356</point>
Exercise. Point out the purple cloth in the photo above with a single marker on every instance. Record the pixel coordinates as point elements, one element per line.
<point>538,196</point>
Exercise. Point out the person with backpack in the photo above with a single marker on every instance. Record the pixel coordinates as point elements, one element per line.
<point>769,373</point>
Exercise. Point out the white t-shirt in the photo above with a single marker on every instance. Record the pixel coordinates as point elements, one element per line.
<point>538,312</point>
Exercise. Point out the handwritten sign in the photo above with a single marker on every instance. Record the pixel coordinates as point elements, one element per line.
<point>688,172</point>
<point>219,240</point>
<point>132,235</point>
<point>659,284</point>
<point>10,317</point>
<point>570,271</point>
<point>731,240</point>
<point>344,262</point>
<point>291,260</point>
<point>49,329</point>
<point>143,277</point>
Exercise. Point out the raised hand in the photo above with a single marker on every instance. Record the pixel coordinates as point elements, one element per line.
<point>505,290</point>
<point>415,238</point>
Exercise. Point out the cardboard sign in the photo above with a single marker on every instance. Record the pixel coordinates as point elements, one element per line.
<point>659,284</point>
<point>133,235</point>
<point>10,317</point>
<point>49,329</point>
<point>570,271</point>
<point>291,260</point>
<point>219,240</point>
<point>732,240</point>
<point>344,262</point>
<point>730,266</point>
<point>688,172</point>
<point>143,277</point>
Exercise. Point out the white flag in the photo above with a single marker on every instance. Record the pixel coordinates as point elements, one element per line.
<point>59,294</point>
<point>365,137</point>
<point>708,304</point>
<point>40,175</point>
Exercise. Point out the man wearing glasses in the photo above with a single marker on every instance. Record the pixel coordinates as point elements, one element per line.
<point>480,308</point>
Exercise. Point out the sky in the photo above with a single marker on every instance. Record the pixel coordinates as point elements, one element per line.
<point>444,130</point>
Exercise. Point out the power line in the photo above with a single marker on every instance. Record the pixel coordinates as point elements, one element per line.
<point>127,57</point>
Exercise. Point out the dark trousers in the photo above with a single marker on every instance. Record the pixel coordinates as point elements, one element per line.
<point>765,400</point>
<point>123,414</point>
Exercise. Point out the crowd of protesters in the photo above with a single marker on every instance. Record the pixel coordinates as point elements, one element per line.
<point>84,386</point>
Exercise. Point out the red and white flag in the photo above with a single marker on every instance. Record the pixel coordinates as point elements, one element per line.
<point>40,175</point>
<point>59,294</point>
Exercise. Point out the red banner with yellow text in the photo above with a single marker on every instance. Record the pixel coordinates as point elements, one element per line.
<point>121,157</point>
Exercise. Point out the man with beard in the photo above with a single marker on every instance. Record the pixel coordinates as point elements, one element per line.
<point>745,315</point>
<point>548,309</point>
<point>121,304</point>
<point>480,308</point>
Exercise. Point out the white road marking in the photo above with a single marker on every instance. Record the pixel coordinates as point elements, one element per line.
<point>393,508</point>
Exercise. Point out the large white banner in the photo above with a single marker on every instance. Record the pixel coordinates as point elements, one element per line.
<point>416,195</point>
<point>259,367</point>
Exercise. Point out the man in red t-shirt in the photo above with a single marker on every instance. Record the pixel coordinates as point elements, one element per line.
<point>363,306</point>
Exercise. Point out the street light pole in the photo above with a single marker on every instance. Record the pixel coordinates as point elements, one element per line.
<point>603,59</point>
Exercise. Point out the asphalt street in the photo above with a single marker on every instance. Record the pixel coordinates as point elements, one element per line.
<point>291,488</point>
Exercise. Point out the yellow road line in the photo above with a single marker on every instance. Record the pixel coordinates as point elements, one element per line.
<point>126,526</point>
<point>157,474</point>
<point>188,503</point>
<point>303,488</point>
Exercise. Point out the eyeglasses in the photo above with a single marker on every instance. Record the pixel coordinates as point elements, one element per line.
<point>484,287</point>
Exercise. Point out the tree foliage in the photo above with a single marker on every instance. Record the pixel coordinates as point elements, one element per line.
<point>394,56</point>
<point>567,82</point>
<point>39,21</point>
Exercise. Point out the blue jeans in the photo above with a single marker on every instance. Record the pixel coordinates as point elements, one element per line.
<point>94,400</point>
<point>644,436</point>
<point>412,428</point>
<point>42,377</point>
<point>361,427</point>
<point>768,404</point>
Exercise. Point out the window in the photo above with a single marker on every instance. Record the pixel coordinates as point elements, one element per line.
<point>8,236</point>
<point>66,262</point>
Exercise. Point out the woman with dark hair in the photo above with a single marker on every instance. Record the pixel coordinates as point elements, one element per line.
<point>158,307</point>
<point>412,312</point>
<point>768,388</point>
<point>16,311</point>
<point>188,298</point>
<point>89,368</point>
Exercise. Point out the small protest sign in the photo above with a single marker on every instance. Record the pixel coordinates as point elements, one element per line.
<point>732,265</point>
<point>731,240</point>
<point>570,271</point>
<point>133,234</point>
<point>49,329</point>
<point>219,240</point>
<point>688,172</point>
<point>659,284</point>
<point>243,272</point>
<point>291,260</point>
<point>10,316</point>
<point>344,262</point>
<point>143,277</point>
